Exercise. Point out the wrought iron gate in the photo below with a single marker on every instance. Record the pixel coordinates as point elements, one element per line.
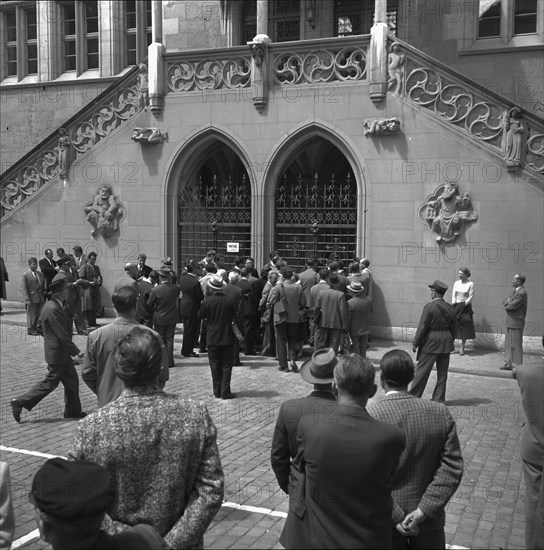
<point>316,219</point>
<point>212,213</point>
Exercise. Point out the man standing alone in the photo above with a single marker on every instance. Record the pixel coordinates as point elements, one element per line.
<point>32,289</point>
<point>434,343</point>
<point>516,310</point>
<point>430,468</point>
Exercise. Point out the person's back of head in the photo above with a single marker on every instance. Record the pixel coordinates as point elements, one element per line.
<point>354,379</point>
<point>324,273</point>
<point>71,499</point>
<point>287,273</point>
<point>365,262</point>
<point>244,272</point>
<point>310,262</point>
<point>354,267</point>
<point>333,265</point>
<point>137,357</point>
<point>396,369</point>
<point>125,300</point>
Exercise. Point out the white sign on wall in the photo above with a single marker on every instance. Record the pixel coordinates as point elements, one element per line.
<point>233,247</point>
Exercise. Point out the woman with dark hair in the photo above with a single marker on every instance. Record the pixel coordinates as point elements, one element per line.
<point>159,449</point>
<point>462,295</point>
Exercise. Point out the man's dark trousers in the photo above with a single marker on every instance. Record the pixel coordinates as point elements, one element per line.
<point>64,374</point>
<point>190,334</point>
<point>221,358</point>
<point>167,332</point>
<point>423,371</point>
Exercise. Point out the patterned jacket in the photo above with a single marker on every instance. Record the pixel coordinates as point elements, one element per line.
<point>161,452</point>
<point>431,466</point>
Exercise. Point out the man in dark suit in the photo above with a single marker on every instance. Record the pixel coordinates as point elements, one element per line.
<point>163,302</point>
<point>48,266</point>
<point>430,468</point>
<point>59,349</point>
<point>516,310</point>
<point>191,298</point>
<point>434,343</point>
<point>73,298</point>
<point>308,278</point>
<point>80,259</point>
<point>4,277</point>
<point>220,309</point>
<point>32,289</point>
<point>234,290</point>
<point>332,313</point>
<point>317,371</point>
<point>250,288</point>
<point>143,269</point>
<point>530,378</point>
<point>348,460</point>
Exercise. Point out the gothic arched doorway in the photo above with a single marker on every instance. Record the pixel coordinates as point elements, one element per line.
<point>316,206</point>
<point>214,208</point>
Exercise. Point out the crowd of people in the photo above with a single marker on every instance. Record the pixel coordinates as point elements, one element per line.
<point>357,476</point>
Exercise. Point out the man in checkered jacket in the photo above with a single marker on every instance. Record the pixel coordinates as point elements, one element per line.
<point>431,466</point>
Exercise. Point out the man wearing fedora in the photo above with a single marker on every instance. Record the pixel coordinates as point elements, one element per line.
<point>434,343</point>
<point>71,500</point>
<point>220,309</point>
<point>163,302</point>
<point>317,371</point>
<point>191,298</point>
<point>358,317</point>
<point>347,460</point>
<point>59,349</point>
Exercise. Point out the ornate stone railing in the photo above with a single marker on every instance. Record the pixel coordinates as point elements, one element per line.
<point>472,108</point>
<point>45,163</point>
<point>318,61</point>
<point>206,70</point>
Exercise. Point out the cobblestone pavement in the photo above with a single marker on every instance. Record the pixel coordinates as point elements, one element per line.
<point>486,512</point>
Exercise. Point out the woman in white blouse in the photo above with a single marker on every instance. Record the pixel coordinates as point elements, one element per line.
<point>462,295</point>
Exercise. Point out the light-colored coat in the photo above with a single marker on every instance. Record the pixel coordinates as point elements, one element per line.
<point>32,287</point>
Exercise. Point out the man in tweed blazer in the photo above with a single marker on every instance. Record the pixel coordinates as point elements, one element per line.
<point>159,449</point>
<point>431,466</point>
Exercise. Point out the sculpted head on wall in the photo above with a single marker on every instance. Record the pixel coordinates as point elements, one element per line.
<point>105,212</point>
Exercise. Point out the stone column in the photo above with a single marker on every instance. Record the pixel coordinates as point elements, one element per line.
<point>155,61</point>
<point>262,17</point>
<point>377,58</point>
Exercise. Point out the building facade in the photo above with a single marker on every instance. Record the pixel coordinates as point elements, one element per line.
<point>409,132</point>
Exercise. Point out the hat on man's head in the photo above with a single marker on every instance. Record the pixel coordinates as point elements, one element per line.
<point>216,282</point>
<point>439,286</point>
<point>58,286</point>
<point>69,490</point>
<point>164,272</point>
<point>319,369</point>
<point>355,287</point>
<point>64,260</point>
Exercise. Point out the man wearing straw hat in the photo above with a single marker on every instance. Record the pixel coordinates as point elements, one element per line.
<point>358,318</point>
<point>220,309</point>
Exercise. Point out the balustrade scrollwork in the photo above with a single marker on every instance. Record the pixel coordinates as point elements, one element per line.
<point>470,108</point>
<point>209,74</point>
<point>46,162</point>
<point>320,65</point>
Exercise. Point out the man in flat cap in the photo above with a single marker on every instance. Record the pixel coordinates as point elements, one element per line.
<point>71,500</point>
<point>434,343</point>
<point>56,324</point>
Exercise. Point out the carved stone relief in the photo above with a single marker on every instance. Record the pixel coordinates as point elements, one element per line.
<point>148,135</point>
<point>105,213</point>
<point>448,212</point>
<point>381,126</point>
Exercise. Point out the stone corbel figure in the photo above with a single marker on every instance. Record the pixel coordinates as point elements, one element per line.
<point>64,153</point>
<point>381,127</point>
<point>148,135</point>
<point>395,68</point>
<point>104,212</point>
<point>143,87</point>
<point>513,138</point>
<point>449,214</point>
<point>259,70</point>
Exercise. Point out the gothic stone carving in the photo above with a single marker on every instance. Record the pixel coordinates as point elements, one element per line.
<point>513,138</point>
<point>448,213</point>
<point>105,212</point>
<point>395,68</point>
<point>64,153</point>
<point>148,135</point>
<point>381,127</point>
